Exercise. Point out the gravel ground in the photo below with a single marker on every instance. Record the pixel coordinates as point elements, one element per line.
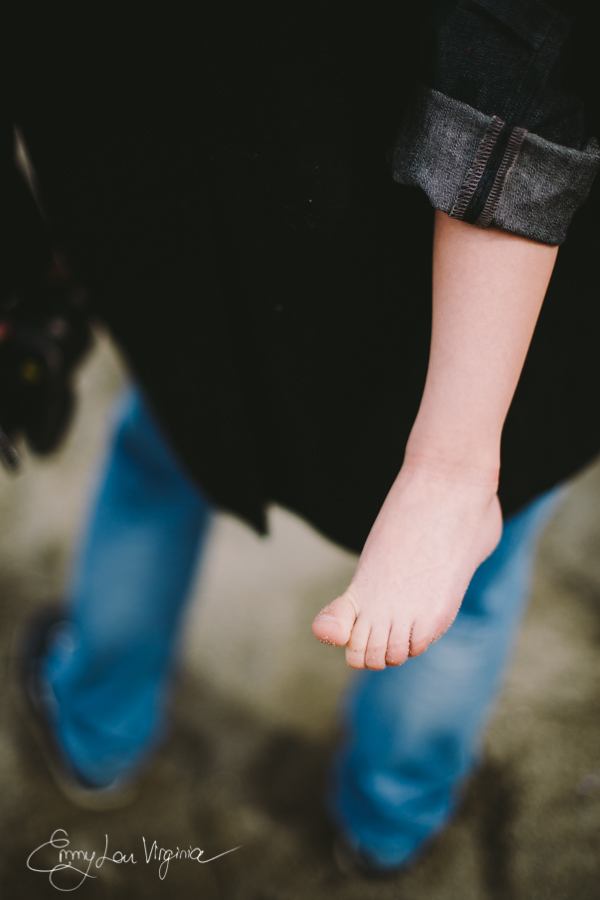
<point>253,718</point>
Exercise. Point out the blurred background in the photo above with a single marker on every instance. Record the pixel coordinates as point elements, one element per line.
<point>254,715</point>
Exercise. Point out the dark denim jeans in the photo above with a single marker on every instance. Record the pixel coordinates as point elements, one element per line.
<point>493,137</point>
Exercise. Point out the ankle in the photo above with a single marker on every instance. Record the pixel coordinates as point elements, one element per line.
<point>451,469</point>
<point>469,451</point>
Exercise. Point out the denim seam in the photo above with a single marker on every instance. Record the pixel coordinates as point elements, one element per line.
<point>515,141</point>
<point>475,173</point>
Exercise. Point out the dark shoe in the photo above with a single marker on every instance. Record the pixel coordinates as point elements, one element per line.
<point>357,864</point>
<point>34,700</point>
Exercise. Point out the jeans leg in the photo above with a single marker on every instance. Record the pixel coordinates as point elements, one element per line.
<point>109,669</point>
<point>413,732</point>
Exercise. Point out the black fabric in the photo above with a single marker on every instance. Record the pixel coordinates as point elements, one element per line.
<point>218,179</point>
<point>25,246</point>
<point>507,58</point>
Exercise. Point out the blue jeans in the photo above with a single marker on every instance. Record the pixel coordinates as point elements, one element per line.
<point>110,670</point>
<point>412,733</point>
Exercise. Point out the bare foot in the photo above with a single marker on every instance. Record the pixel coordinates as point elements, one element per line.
<point>435,527</point>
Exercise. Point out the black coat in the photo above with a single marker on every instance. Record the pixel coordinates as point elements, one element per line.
<point>220,181</point>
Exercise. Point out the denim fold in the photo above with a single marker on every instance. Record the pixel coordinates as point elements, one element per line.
<point>477,168</point>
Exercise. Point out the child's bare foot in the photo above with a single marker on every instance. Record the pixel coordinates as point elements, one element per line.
<point>436,526</point>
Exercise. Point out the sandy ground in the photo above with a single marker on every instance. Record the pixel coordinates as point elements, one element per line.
<point>254,720</point>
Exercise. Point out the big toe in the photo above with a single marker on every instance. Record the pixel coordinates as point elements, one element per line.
<point>333,625</point>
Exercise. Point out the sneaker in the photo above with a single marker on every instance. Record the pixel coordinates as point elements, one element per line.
<point>34,699</point>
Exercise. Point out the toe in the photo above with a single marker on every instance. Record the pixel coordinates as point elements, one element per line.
<point>333,625</point>
<point>398,646</point>
<point>420,639</point>
<point>377,647</point>
<point>426,633</point>
<point>357,645</point>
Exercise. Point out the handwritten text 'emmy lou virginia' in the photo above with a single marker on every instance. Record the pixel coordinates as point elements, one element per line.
<point>81,862</point>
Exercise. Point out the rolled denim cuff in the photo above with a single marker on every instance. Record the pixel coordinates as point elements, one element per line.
<point>479,169</point>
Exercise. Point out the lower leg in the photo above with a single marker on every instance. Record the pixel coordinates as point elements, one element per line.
<point>413,732</point>
<point>109,669</point>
